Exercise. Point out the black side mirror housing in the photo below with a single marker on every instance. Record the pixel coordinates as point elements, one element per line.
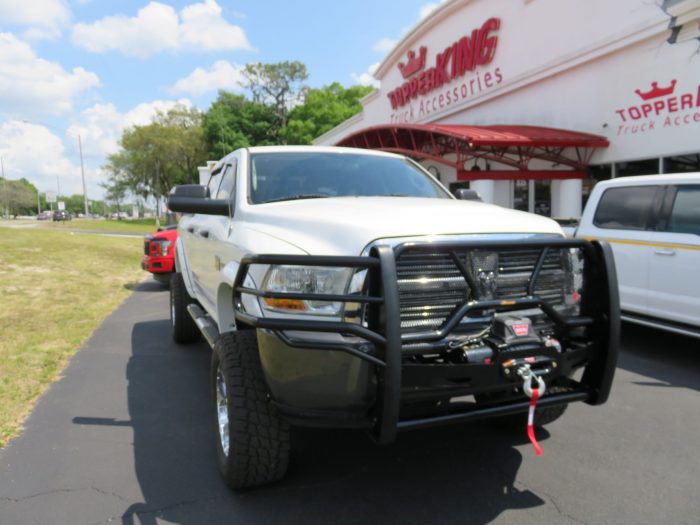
<point>194,198</point>
<point>194,191</point>
<point>465,194</point>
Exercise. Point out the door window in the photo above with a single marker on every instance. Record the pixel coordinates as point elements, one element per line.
<point>625,208</point>
<point>685,215</point>
<point>214,183</point>
<point>227,182</point>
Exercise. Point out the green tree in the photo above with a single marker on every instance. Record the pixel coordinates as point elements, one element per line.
<point>115,191</point>
<point>322,110</point>
<point>280,85</point>
<point>18,197</point>
<point>234,122</point>
<point>155,157</point>
<point>76,205</point>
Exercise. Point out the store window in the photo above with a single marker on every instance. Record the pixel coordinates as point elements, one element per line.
<point>543,197</point>
<point>637,167</point>
<point>682,164</point>
<point>595,175</point>
<point>521,195</point>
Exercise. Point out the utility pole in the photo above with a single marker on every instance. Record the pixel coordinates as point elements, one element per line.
<point>82,171</point>
<point>58,188</point>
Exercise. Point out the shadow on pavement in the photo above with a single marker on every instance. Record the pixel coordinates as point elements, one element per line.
<point>149,285</point>
<point>462,474</point>
<point>671,359</point>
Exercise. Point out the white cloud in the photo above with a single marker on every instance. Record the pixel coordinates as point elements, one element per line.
<point>32,151</point>
<point>204,28</point>
<point>45,18</point>
<point>221,75</point>
<point>37,153</point>
<point>158,27</point>
<point>31,86</point>
<point>101,126</point>
<point>384,45</point>
<point>367,78</point>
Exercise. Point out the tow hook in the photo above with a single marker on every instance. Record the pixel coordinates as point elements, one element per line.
<point>534,393</point>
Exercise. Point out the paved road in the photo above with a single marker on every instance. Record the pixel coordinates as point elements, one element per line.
<point>124,437</point>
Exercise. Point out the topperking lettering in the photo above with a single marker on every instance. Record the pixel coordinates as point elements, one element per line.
<point>454,61</point>
<point>656,102</point>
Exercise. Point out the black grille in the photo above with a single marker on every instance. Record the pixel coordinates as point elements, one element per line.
<point>431,285</point>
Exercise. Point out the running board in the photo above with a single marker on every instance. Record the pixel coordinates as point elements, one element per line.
<point>669,326</point>
<point>205,323</point>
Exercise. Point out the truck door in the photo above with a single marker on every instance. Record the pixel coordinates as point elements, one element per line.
<point>197,229</point>
<point>624,217</point>
<point>215,254</point>
<point>674,269</point>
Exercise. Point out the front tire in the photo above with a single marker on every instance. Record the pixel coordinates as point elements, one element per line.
<point>252,440</point>
<point>184,328</point>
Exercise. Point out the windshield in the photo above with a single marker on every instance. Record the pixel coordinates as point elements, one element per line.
<point>307,175</point>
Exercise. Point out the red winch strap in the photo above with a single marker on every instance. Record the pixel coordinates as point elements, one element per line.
<point>530,420</point>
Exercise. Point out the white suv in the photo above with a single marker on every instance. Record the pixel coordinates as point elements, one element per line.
<point>653,225</point>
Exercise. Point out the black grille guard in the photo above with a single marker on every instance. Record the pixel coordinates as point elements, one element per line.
<point>599,312</point>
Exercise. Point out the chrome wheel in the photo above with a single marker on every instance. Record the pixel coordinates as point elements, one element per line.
<point>222,411</point>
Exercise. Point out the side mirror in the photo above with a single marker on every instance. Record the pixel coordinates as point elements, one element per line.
<point>194,198</point>
<point>465,194</point>
<point>194,191</point>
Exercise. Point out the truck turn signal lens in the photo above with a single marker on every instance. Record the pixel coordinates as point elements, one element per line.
<point>285,304</point>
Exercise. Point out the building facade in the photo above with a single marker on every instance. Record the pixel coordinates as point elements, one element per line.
<point>530,102</point>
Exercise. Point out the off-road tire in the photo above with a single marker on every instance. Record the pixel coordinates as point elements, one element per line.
<point>258,436</point>
<point>546,415</point>
<point>184,328</point>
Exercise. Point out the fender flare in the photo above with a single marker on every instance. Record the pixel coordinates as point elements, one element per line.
<point>182,266</point>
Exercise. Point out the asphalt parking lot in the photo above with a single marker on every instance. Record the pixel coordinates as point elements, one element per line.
<point>124,437</point>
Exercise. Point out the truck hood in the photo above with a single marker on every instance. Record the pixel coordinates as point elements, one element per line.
<point>345,225</point>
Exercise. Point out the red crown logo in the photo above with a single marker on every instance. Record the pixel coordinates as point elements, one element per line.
<point>656,91</point>
<point>414,63</point>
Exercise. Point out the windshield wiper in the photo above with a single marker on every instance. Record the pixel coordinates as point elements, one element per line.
<point>302,196</point>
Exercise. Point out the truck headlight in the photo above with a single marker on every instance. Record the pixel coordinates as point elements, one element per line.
<point>310,280</point>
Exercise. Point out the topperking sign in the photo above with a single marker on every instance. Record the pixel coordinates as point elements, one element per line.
<point>435,88</point>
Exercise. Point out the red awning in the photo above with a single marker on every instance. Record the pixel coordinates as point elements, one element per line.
<point>457,145</point>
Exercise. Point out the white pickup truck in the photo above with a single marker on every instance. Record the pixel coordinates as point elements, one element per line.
<point>348,288</point>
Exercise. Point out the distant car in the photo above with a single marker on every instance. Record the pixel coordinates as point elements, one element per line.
<point>159,253</point>
<point>61,215</point>
<point>43,216</point>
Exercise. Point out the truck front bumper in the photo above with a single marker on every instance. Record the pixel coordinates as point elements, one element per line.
<point>322,383</point>
<point>156,264</point>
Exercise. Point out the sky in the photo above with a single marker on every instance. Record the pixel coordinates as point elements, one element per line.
<point>84,70</point>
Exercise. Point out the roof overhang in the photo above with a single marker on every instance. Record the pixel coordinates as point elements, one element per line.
<point>512,146</point>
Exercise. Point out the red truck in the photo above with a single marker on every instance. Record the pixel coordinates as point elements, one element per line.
<point>159,253</point>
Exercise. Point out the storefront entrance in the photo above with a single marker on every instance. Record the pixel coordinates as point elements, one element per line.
<point>534,196</point>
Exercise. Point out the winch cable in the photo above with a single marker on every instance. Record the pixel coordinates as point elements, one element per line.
<point>534,393</point>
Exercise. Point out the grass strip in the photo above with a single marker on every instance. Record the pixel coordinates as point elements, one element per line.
<point>107,225</point>
<point>56,287</point>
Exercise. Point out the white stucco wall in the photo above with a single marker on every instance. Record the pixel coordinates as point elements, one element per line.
<point>573,64</point>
